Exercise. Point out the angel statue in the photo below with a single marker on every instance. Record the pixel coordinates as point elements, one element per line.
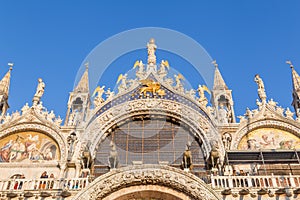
<point>39,92</point>
<point>98,99</point>
<point>123,85</point>
<point>139,64</point>
<point>178,79</point>
<point>109,94</point>
<point>202,98</point>
<point>163,65</point>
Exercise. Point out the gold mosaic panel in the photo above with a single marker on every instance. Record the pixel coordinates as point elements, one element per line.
<point>269,138</point>
<point>28,146</point>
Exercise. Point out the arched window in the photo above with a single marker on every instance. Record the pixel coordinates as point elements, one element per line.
<point>145,140</point>
<point>77,104</point>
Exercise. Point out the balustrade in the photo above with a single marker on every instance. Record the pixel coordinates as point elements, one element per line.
<point>271,181</point>
<point>44,184</point>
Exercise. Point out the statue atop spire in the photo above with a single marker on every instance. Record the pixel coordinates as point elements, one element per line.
<point>261,88</point>
<point>86,65</point>
<point>290,63</point>
<point>5,82</point>
<point>151,52</point>
<point>39,92</point>
<point>214,62</point>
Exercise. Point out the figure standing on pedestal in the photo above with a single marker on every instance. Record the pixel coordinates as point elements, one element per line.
<point>223,114</point>
<point>39,92</point>
<point>261,88</point>
<point>71,140</point>
<point>151,52</point>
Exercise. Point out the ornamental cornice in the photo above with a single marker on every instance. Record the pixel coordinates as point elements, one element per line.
<point>160,175</point>
<point>253,125</point>
<point>200,126</point>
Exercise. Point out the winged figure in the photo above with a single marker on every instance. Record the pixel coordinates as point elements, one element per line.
<point>151,86</point>
<point>99,91</point>
<point>139,64</point>
<point>165,63</point>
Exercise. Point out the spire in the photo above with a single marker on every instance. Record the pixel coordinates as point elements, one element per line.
<point>219,83</point>
<point>79,101</point>
<point>5,82</point>
<point>83,84</point>
<point>221,99</point>
<point>296,89</point>
<point>295,78</point>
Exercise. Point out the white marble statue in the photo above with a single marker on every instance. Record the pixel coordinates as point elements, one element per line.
<point>123,82</point>
<point>109,94</point>
<point>179,85</point>
<point>39,92</point>
<point>151,52</point>
<point>261,88</point>
<point>223,115</point>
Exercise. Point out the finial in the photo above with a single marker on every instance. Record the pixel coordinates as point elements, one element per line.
<point>86,65</point>
<point>214,62</point>
<point>10,64</point>
<point>290,63</point>
<point>152,41</point>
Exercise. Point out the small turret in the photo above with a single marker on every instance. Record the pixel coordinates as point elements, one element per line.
<point>79,101</point>
<point>221,99</point>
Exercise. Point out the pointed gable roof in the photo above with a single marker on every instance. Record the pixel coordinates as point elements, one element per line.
<point>296,80</point>
<point>4,83</point>
<point>83,84</point>
<point>219,83</point>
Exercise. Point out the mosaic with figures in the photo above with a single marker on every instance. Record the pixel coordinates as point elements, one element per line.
<point>28,146</point>
<point>269,138</point>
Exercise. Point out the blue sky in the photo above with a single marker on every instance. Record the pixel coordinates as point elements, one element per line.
<point>50,39</point>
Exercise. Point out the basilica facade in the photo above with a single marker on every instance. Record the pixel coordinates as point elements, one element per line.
<point>150,139</point>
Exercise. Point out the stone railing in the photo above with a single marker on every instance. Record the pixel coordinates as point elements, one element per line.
<point>43,184</point>
<point>267,182</point>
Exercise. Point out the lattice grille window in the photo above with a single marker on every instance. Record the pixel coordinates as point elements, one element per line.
<point>149,141</point>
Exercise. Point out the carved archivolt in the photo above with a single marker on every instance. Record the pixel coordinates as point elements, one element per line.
<point>199,125</point>
<point>262,124</point>
<point>159,175</point>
